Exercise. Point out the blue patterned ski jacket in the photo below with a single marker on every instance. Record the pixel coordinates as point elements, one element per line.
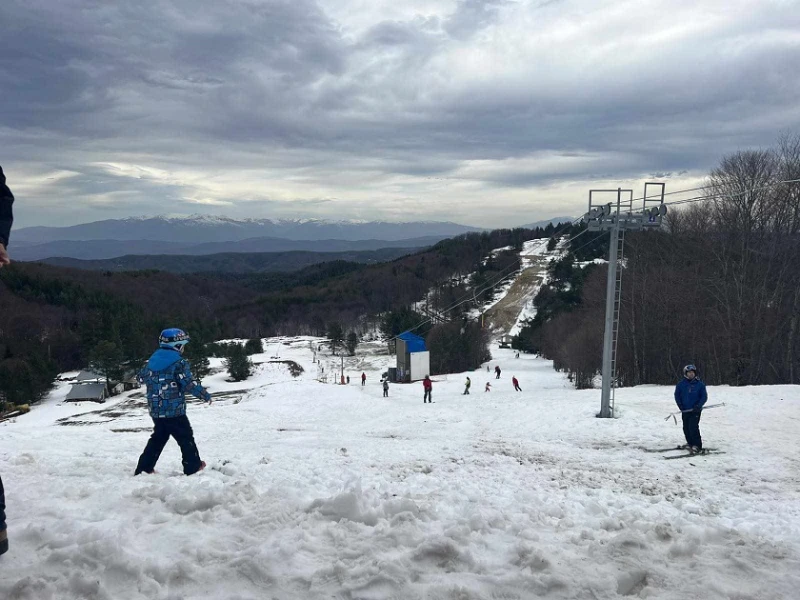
<point>168,377</point>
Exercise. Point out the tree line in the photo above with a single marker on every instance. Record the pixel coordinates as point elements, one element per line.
<point>718,287</point>
<point>55,319</point>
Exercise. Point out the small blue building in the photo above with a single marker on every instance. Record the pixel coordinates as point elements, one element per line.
<point>413,358</point>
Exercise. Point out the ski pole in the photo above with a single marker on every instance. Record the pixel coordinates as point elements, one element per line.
<point>674,418</point>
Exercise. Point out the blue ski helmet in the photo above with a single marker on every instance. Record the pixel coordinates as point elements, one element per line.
<point>173,338</point>
<point>688,368</point>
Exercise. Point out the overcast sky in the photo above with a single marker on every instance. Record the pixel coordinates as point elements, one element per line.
<point>483,112</point>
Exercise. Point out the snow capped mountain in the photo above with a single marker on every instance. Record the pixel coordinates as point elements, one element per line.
<point>208,228</point>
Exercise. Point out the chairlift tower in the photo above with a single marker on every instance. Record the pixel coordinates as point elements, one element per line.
<point>617,218</point>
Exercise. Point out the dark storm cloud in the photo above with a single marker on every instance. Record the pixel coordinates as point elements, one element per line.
<point>251,105</point>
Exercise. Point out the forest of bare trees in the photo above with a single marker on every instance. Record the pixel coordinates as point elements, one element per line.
<point>718,287</point>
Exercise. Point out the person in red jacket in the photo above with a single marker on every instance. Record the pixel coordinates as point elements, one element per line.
<point>516,384</point>
<point>428,386</point>
<point>363,379</point>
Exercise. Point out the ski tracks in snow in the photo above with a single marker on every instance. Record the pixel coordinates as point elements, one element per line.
<point>323,491</point>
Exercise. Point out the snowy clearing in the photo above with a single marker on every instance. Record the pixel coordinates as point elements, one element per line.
<point>324,491</point>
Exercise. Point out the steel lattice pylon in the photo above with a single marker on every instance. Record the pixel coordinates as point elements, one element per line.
<point>617,218</point>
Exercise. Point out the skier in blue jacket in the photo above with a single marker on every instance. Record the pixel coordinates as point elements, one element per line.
<point>691,396</point>
<point>168,377</point>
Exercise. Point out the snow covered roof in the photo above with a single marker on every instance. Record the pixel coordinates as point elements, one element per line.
<point>87,391</point>
<point>88,375</point>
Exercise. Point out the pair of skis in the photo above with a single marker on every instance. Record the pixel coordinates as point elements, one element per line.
<point>684,449</point>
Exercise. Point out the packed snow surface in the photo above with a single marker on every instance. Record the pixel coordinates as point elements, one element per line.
<point>315,490</point>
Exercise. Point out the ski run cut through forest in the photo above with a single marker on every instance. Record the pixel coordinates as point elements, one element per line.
<point>315,490</point>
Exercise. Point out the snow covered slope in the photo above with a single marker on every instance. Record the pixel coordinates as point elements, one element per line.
<point>513,304</point>
<point>323,491</point>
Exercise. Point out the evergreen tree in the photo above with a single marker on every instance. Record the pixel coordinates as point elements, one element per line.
<point>352,343</point>
<point>254,346</point>
<point>197,354</point>
<point>457,347</point>
<point>239,365</point>
<point>335,335</point>
<point>397,321</point>
<point>106,360</point>
<point>18,383</point>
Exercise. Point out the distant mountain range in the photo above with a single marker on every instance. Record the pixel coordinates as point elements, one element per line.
<point>199,229</point>
<point>545,223</point>
<point>200,235</point>
<point>203,235</point>
<point>230,262</point>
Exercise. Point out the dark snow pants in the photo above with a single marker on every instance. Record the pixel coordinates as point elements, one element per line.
<point>181,430</point>
<point>385,392</point>
<point>427,397</point>
<point>3,535</point>
<point>691,428</point>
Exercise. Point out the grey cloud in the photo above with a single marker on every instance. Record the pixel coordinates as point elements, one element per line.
<point>471,16</point>
<point>391,33</point>
<point>280,87</point>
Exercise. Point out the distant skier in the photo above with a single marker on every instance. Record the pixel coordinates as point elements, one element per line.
<point>497,372</point>
<point>168,377</point>
<point>467,385</point>
<point>516,384</point>
<point>363,379</point>
<point>348,380</point>
<point>385,388</point>
<point>488,387</point>
<point>427,385</point>
<point>690,396</point>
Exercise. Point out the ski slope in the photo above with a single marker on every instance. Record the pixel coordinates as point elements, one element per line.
<point>318,491</point>
<point>513,302</point>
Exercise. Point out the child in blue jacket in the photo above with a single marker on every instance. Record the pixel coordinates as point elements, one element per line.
<point>690,396</point>
<point>168,377</point>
